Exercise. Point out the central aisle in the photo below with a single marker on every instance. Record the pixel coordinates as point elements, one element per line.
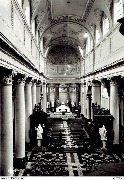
<point>67,153</point>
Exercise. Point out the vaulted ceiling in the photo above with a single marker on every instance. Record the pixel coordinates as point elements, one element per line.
<point>64,22</point>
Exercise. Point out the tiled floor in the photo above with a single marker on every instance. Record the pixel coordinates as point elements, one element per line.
<point>70,161</point>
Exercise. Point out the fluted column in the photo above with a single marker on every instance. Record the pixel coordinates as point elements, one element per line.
<point>20,117</point>
<point>44,96</point>
<point>28,108</point>
<point>38,91</point>
<point>114,108</point>
<point>33,93</point>
<point>6,124</point>
<point>96,92</point>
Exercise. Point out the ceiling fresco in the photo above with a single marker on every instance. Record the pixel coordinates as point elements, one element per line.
<point>63,23</point>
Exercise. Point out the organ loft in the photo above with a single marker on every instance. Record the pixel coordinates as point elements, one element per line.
<point>61,87</point>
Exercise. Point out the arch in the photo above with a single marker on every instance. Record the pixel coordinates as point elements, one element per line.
<point>97,35</point>
<point>27,11</point>
<point>20,3</point>
<point>105,24</point>
<point>33,27</point>
<point>118,10</point>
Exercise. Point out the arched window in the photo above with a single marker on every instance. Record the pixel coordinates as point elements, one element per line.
<point>118,10</point>
<point>33,28</point>
<point>20,2</point>
<point>91,43</point>
<point>105,25</point>
<point>37,37</point>
<point>97,36</point>
<point>27,12</point>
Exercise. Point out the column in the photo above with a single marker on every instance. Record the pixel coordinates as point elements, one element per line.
<point>34,93</point>
<point>96,92</point>
<point>38,91</point>
<point>28,108</point>
<point>44,96</point>
<point>68,96</point>
<point>114,107</point>
<point>48,93</point>
<point>88,106</point>
<point>57,94</point>
<point>81,97</point>
<point>102,88</point>
<point>20,117</point>
<point>105,93</point>
<point>6,124</point>
<point>77,94</point>
<point>0,129</point>
<point>84,99</point>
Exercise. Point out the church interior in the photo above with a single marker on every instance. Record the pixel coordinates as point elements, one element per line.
<point>62,88</point>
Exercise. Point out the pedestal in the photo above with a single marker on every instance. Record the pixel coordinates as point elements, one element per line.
<point>39,142</point>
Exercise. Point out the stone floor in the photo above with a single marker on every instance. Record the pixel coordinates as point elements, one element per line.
<point>68,159</point>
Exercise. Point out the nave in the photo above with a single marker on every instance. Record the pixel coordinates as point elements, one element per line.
<point>67,150</point>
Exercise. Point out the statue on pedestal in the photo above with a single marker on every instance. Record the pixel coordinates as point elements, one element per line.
<point>39,134</point>
<point>102,132</point>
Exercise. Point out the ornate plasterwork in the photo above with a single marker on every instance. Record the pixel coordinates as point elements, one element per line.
<point>88,9</point>
<point>64,41</point>
<point>42,28</point>
<point>75,18</point>
<point>63,80</point>
<point>49,10</point>
<point>108,3</point>
<point>62,69</point>
<point>91,27</point>
<point>39,17</point>
<point>98,14</point>
<point>34,5</point>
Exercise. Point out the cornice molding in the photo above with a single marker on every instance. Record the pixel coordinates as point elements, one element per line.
<point>111,66</point>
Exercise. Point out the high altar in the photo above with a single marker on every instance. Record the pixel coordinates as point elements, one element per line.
<point>63,108</point>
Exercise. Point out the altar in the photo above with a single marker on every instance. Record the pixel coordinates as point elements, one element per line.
<point>63,108</point>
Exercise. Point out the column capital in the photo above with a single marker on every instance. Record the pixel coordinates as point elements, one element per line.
<point>89,83</point>
<point>29,80</point>
<point>95,82</point>
<point>115,80</point>
<point>39,82</point>
<point>44,83</point>
<point>5,76</point>
<point>19,79</point>
<point>34,81</point>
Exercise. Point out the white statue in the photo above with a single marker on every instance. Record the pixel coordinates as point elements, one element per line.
<point>102,132</point>
<point>39,132</point>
